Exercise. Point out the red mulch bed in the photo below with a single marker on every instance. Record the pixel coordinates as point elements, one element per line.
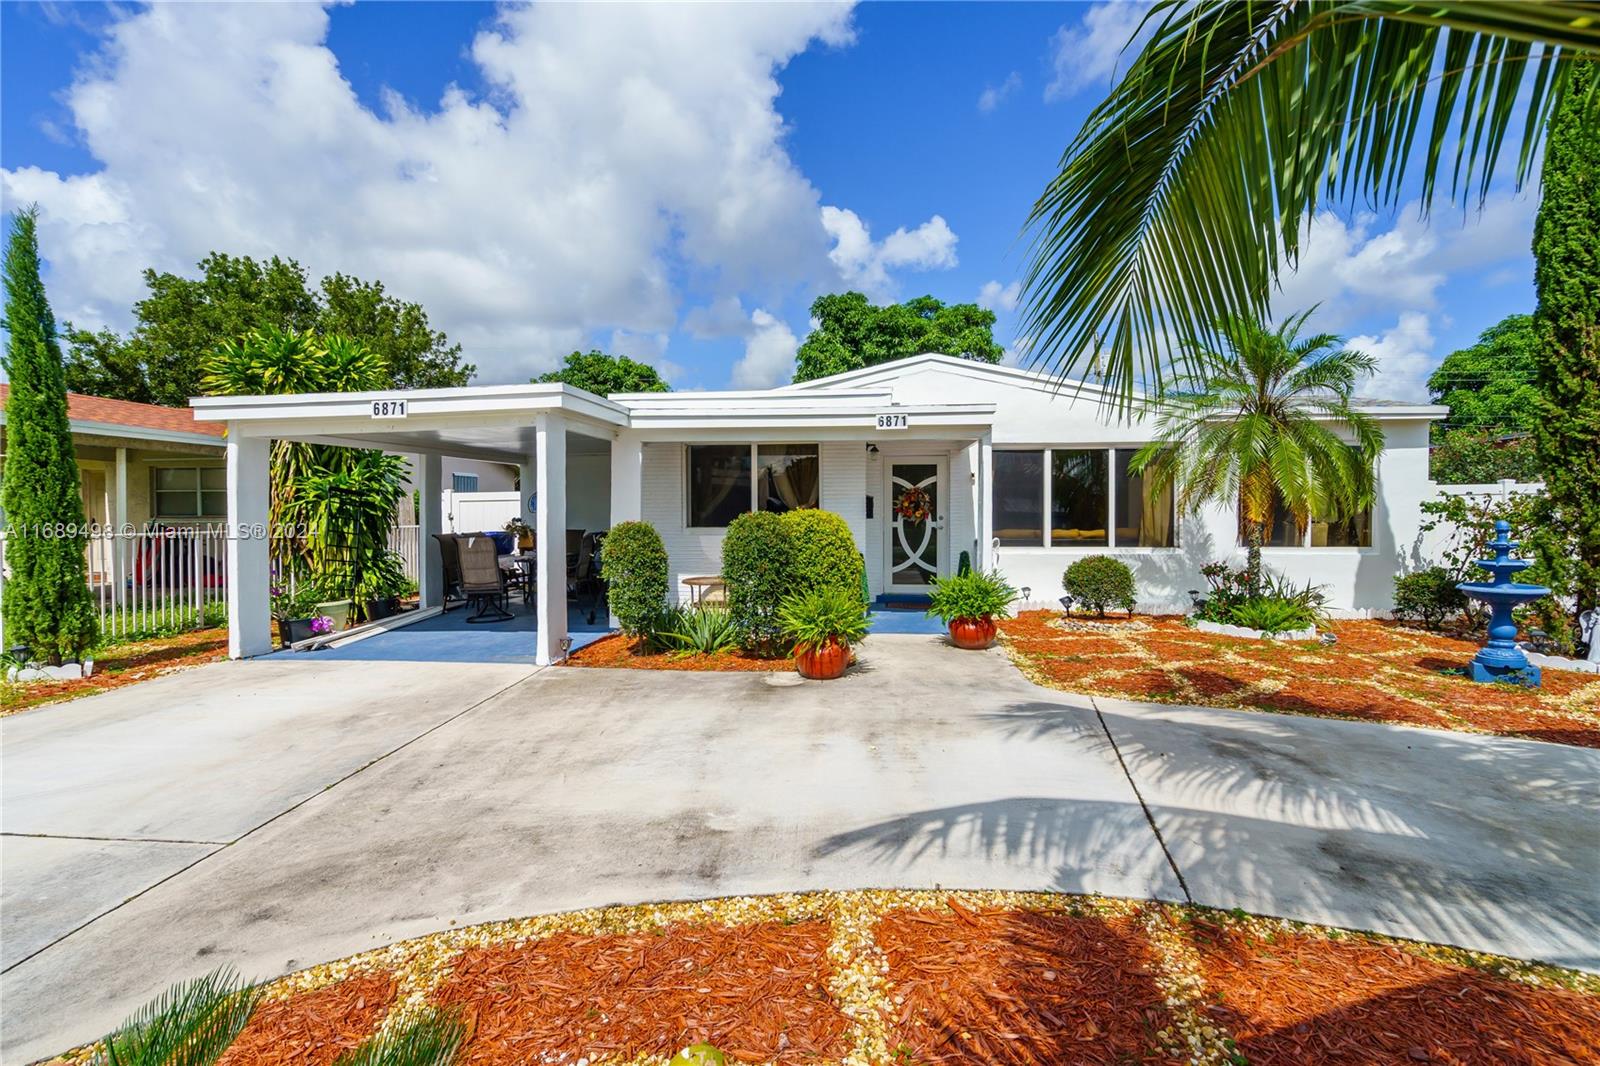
<point>618,652</point>
<point>1299,999</point>
<point>313,1028</point>
<point>124,664</point>
<point>1378,671</point>
<point>1005,986</point>
<point>759,992</point>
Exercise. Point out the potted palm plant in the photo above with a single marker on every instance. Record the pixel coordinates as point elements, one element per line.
<point>969,604</point>
<point>824,624</point>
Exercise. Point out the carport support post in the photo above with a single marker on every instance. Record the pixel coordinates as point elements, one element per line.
<point>550,525</point>
<point>430,520</point>
<point>985,501</point>
<point>249,555</point>
<point>627,483</point>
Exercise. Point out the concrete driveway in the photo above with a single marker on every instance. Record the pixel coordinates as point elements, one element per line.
<point>275,814</point>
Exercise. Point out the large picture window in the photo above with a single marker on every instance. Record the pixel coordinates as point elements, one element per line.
<point>1019,498</point>
<point>1081,491</point>
<point>1079,497</point>
<point>727,480</point>
<point>1323,531</point>
<point>1144,517</point>
<point>190,491</point>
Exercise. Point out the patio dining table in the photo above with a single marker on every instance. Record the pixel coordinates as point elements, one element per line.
<point>525,562</point>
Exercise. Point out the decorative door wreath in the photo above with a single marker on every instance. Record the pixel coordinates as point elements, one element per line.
<point>914,505</point>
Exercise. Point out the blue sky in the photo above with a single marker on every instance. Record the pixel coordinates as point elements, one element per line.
<point>675,183</point>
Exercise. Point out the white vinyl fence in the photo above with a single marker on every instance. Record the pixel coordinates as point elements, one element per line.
<point>165,580</point>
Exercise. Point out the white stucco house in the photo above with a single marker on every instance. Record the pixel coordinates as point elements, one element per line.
<point>1014,470</point>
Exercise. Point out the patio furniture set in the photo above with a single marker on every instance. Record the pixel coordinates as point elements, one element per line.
<point>483,570</point>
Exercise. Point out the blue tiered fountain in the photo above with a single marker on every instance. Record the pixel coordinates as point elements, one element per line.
<point>1501,659</point>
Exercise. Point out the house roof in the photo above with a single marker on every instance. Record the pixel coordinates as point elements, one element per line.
<point>100,416</point>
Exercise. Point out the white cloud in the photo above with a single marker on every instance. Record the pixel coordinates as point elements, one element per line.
<point>865,263</point>
<point>1405,359</point>
<point>768,358</point>
<point>998,297</point>
<point>994,95</point>
<point>1356,273</point>
<point>1092,52</point>
<point>624,148</point>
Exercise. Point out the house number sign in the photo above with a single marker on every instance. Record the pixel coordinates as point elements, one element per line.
<point>894,421</point>
<point>388,408</point>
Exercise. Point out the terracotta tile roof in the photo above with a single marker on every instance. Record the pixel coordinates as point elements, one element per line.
<point>81,408</point>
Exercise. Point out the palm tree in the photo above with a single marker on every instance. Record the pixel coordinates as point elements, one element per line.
<point>1189,189</point>
<point>1258,423</point>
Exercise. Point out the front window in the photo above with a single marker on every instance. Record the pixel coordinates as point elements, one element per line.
<point>1081,491</point>
<point>190,491</point>
<point>726,480</point>
<point>1284,529</point>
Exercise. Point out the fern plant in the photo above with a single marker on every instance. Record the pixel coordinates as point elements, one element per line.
<point>828,615</point>
<point>191,1024</point>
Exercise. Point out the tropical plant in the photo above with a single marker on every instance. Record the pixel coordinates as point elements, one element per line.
<point>633,564</point>
<point>1271,614</point>
<point>272,361</point>
<point>758,571</point>
<point>1429,594</point>
<point>1566,276</point>
<point>1255,424</point>
<point>1191,187</point>
<point>1098,582</point>
<point>824,552</point>
<point>191,1024</point>
<point>851,332</point>
<point>976,594</point>
<point>345,515</point>
<point>704,629</point>
<point>1231,592</point>
<point>431,1037</point>
<point>47,602</point>
<point>603,374</point>
<point>823,616</point>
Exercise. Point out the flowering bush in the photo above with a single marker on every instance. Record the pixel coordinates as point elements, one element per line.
<point>321,624</point>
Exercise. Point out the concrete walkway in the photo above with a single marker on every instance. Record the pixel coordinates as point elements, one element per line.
<point>275,814</point>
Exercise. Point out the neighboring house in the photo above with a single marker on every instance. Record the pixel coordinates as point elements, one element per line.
<point>143,466</point>
<point>1014,470</point>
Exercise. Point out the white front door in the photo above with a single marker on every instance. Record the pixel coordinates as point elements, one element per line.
<point>916,541</point>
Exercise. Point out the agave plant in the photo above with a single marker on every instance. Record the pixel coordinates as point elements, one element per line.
<point>192,1024</point>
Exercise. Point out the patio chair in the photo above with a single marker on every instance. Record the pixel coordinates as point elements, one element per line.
<point>450,564</point>
<point>583,577</point>
<point>482,580</point>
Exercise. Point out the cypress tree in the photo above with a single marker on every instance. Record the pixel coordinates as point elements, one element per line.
<point>1566,252</point>
<point>47,606</point>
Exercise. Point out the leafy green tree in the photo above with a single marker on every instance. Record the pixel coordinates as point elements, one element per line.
<point>604,374</point>
<point>1255,424</point>
<point>183,320</point>
<point>1189,189</point>
<point>1566,276</point>
<point>1494,403</point>
<point>852,333</point>
<point>47,605</point>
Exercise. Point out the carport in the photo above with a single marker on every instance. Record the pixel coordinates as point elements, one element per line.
<point>544,429</point>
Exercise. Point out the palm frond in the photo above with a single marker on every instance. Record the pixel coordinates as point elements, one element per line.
<point>191,1024</point>
<point>432,1037</point>
<point>1189,189</point>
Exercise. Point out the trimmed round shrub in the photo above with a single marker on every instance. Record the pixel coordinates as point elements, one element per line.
<point>1099,582</point>
<point>633,562</point>
<point>1430,595</point>
<point>757,566</point>
<point>824,552</point>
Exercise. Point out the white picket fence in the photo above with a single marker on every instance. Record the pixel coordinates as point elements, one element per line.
<point>175,578</point>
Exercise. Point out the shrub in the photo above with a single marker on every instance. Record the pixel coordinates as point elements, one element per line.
<point>1272,614</point>
<point>1430,595</point>
<point>702,628</point>
<point>812,619</point>
<point>1098,582</point>
<point>633,563</point>
<point>757,555</point>
<point>825,552</point>
<point>975,594</point>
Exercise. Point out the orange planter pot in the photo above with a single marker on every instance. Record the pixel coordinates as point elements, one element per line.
<point>823,662</point>
<point>974,634</point>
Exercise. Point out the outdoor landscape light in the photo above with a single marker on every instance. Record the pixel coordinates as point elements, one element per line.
<point>1066,604</point>
<point>1025,591</point>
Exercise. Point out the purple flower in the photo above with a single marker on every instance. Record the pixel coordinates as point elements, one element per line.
<point>321,624</point>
